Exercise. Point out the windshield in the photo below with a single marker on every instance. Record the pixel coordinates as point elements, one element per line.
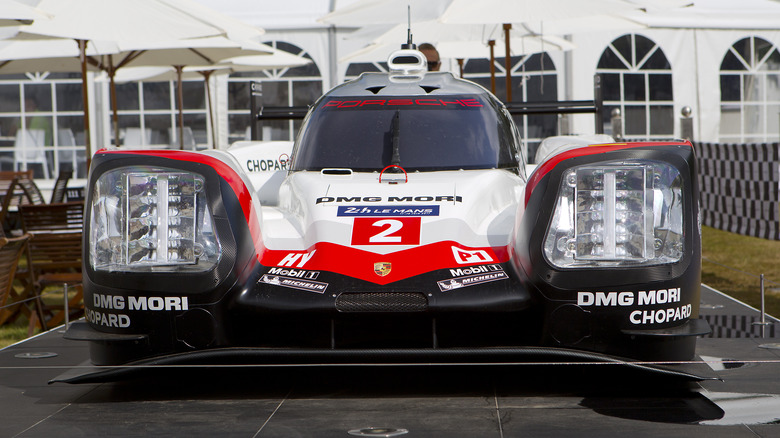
<point>417,133</point>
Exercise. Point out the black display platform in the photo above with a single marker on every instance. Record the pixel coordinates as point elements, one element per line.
<point>405,401</point>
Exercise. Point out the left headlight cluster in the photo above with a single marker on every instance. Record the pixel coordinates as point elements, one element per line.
<point>151,219</point>
<point>618,213</point>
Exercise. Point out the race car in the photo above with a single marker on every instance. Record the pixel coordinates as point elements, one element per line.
<point>400,226</point>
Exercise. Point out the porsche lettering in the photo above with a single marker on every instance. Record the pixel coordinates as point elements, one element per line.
<point>369,103</point>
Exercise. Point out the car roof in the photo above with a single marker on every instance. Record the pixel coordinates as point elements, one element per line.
<point>384,84</point>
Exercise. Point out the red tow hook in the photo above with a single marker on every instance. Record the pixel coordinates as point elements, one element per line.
<point>406,177</point>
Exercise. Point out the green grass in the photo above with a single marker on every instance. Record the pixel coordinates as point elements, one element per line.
<point>731,263</point>
<point>13,333</point>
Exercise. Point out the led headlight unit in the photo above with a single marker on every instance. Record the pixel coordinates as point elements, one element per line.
<point>154,219</point>
<point>617,213</point>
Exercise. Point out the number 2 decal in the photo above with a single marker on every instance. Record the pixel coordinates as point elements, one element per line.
<point>386,231</point>
<point>387,235</point>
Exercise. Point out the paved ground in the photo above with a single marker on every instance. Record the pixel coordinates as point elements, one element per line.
<point>447,401</point>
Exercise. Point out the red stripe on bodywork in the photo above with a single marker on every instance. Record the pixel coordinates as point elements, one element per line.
<point>340,259</point>
<point>227,173</point>
<point>359,264</point>
<point>550,164</point>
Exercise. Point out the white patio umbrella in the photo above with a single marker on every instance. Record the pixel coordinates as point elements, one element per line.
<point>130,24</point>
<point>371,12</point>
<point>14,13</point>
<point>46,54</point>
<point>275,60</point>
<point>510,14</point>
<point>530,13</point>
<point>455,41</point>
<point>177,54</point>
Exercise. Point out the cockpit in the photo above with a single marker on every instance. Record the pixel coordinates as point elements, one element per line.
<point>424,132</point>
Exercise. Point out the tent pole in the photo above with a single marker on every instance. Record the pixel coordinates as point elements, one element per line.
<point>180,93</point>
<point>508,63</point>
<point>85,96</point>
<point>492,44</point>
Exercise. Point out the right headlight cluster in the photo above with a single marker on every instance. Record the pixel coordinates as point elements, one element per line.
<point>151,219</point>
<point>617,213</point>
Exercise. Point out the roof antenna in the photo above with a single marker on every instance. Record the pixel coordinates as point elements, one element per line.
<point>409,44</point>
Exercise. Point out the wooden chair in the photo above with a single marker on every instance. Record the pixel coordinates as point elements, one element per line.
<point>7,178</point>
<point>60,187</point>
<point>54,254</point>
<point>12,302</point>
<point>21,191</point>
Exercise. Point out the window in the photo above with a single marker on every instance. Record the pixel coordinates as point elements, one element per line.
<point>534,79</point>
<point>42,124</point>
<point>750,92</point>
<point>636,78</point>
<point>148,114</point>
<point>355,69</point>
<point>299,86</point>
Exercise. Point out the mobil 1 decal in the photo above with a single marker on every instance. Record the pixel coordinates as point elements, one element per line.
<point>294,279</point>
<point>473,275</point>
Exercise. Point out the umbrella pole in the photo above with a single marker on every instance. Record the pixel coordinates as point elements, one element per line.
<point>460,66</point>
<point>492,44</point>
<point>180,93</point>
<point>85,96</point>
<point>207,80</point>
<point>508,63</point>
<point>111,74</point>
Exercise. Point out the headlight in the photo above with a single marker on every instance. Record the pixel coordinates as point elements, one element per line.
<point>151,219</point>
<point>617,213</point>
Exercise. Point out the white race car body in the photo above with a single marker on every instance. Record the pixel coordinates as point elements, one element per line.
<point>399,226</point>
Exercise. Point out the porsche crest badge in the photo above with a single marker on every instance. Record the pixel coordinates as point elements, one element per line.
<point>382,268</point>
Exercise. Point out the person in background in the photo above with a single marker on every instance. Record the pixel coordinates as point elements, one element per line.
<point>432,55</point>
<point>37,121</point>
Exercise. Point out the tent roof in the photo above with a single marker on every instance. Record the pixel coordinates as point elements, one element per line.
<point>717,14</point>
